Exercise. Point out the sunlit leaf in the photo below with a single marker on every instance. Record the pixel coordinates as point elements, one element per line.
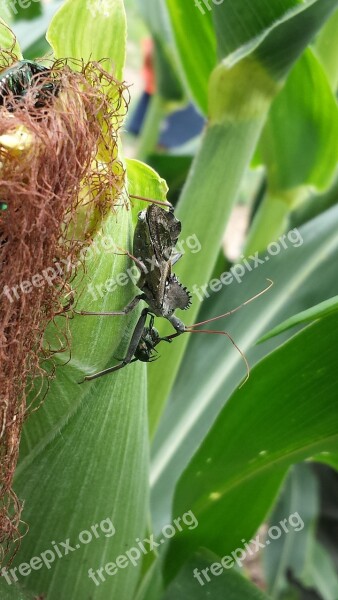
<point>90,30</point>
<point>7,39</point>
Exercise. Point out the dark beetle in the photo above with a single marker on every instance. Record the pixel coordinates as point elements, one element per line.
<point>21,77</point>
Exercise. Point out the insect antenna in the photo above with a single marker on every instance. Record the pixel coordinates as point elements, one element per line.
<point>216,332</point>
<point>231,312</point>
<point>191,328</point>
<point>151,201</point>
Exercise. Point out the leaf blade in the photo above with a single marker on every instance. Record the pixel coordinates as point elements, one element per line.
<point>90,31</point>
<point>319,311</point>
<point>301,430</point>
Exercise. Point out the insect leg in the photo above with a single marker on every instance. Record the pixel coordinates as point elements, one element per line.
<point>225,333</point>
<point>151,201</point>
<point>127,309</point>
<point>177,324</point>
<point>137,261</point>
<point>137,334</point>
<point>176,258</point>
<point>106,371</point>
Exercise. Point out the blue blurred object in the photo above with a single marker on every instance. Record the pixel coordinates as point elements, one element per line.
<point>177,129</point>
<point>180,127</point>
<point>134,125</point>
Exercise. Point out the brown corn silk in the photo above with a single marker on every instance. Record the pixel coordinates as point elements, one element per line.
<point>63,165</point>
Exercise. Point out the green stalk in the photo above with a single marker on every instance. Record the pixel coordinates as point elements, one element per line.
<point>208,198</point>
<point>269,223</point>
<point>327,49</point>
<point>151,127</point>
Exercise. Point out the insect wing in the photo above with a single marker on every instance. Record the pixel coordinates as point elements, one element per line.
<point>164,231</point>
<point>142,245</point>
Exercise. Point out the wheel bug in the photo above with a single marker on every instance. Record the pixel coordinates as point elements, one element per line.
<point>155,238</point>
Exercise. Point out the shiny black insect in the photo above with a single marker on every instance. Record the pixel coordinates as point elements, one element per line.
<point>3,208</point>
<point>155,238</point>
<point>20,77</point>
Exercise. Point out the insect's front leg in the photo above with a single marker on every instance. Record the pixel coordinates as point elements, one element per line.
<point>177,324</point>
<point>175,258</point>
<point>135,339</point>
<point>126,310</point>
<point>138,262</point>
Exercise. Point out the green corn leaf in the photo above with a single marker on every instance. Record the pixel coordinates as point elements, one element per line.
<point>212,369</point>
<point>299,497</point>
<point>303,116</point>
<point>253,440</point>
<point>104,421</point>
<point>306,316</point>
<point>228,584</point>
<point>7,39</point>
<point>90,31</point>
<point>11,592</point>
<point>197,51</point>
<point>247,23</point>
<point>240,28</point>
<point>144,181</point>
<point>326,47</point>
<point>84,454</point>
<point>91,468</point>
<point>301,24</point>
